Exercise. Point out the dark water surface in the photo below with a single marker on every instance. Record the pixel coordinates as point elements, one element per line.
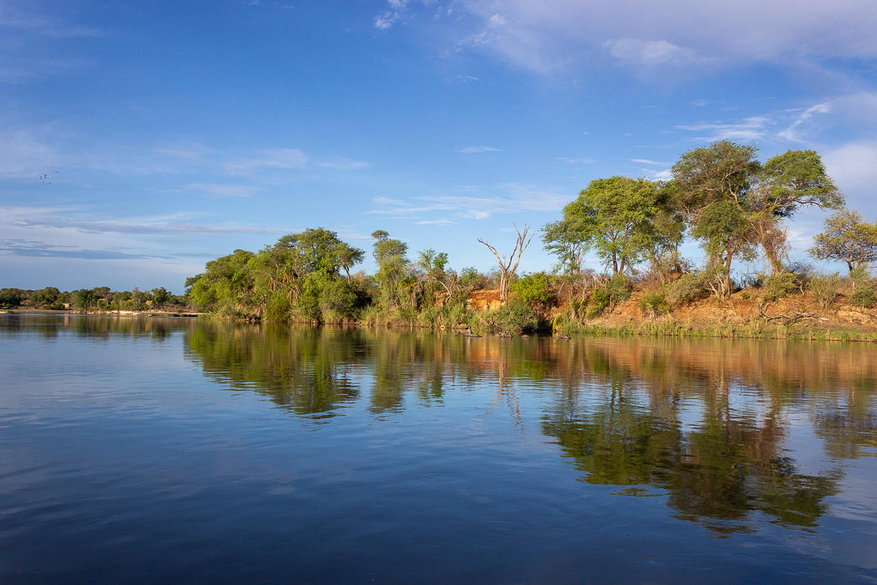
<point>175,450</point>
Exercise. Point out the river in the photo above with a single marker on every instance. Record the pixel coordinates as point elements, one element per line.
<point>172,450</point>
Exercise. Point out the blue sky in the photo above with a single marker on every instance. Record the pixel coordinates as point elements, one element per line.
<point>138,140</point>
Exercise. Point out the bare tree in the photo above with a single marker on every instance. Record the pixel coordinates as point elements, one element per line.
<point>508,266</point>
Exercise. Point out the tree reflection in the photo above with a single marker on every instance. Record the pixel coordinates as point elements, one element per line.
<point>727,466</point>
<point>707,423</point>
<point>308,371</point>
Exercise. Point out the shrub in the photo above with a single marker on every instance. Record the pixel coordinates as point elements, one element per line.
<point>532,288</point>
<point>512,318</point>
<point>864,297</point>
<point>780,285</point>
<point>824,290</point>
<point>654,304</point>
<point>860,277</point>
<point>687,288</point>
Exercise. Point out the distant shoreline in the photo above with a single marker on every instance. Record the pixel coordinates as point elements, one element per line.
<point>74,313</point>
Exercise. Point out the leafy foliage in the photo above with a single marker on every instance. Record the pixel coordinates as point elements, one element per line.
<point>532,288</point>
<point>825,290</point>
<point>848,238</point>
<point>777,286</point>
<point>654,304</point>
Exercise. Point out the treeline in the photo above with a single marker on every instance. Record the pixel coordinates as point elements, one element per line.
<point>721,195</point>
<point>307,277</point>
<point>100,298</point>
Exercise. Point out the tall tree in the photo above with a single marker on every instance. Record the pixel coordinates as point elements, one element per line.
<point>735,204</point>
<point>389,254</point>
<point>614,216</point>
<point>712,185</point>
<point>786,183</point>
<point>508,266</point>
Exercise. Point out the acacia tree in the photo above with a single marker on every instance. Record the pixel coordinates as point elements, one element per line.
<point>848,238</point>
<point>617,218</point>
<point>508,266</point>
<point>734,204</point>
<point>712,185</point>
<point>786,183</point>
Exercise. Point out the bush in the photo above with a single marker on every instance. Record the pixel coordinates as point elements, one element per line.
<point>608,295</point>
<point>860,277</point>
<point>654,304</point>
<point>338,299</point>
<point>688,288</point>
<point>532,288</point>
<point>864,297</point>
<point>824,290</point>
<point>512,318</point>
<point>780,285</point>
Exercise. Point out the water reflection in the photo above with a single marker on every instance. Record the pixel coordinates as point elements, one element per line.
<point>704,422</point>
<point>723,431</point>
<point>93,326</point>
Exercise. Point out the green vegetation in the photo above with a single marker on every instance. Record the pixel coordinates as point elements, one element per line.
<point>98,299</point>
<point>721,195</point>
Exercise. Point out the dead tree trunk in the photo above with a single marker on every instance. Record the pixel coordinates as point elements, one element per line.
<point>508,266</point>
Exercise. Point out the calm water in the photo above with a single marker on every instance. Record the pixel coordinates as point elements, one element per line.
<point>171,450</point>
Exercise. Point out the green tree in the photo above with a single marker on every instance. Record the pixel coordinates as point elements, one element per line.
<point>724,187</point>
<point>712,186</point>
<point>389,254</point>
<point>160,296</point>
<point>46,297</point>
<point>615,217</point>
<point>84,299</point>
<point>846,237</point>
<point>786,183</point>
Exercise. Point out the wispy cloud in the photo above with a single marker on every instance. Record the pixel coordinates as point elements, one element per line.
<point>504,198</point>
<point>648,53</point>
<point>746,130</point>
<point>645,161</point>
<point>279,158</point>
<point>345,164</point>
<point>477,149</point>
<point>791,133</point>
<point>558,35</point>
<point>576,161</point>
<point>436,222</point>
<point>73,219</point>
<point>224,190</point>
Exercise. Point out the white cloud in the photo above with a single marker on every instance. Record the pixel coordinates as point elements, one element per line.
<point>436,222</point>
<point>503,198</point>
<point>27,152</point>
<point>854,168</point>
<point>791,133</point>
<point>746,130</point>
<point>642,52</point>
<point>345,164</point>
<point>279,158</point>
<point>645,161</point>
<point>576,161</point>
<point>552,35</point>
<point>224,190</point>
<point>476,149</point>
